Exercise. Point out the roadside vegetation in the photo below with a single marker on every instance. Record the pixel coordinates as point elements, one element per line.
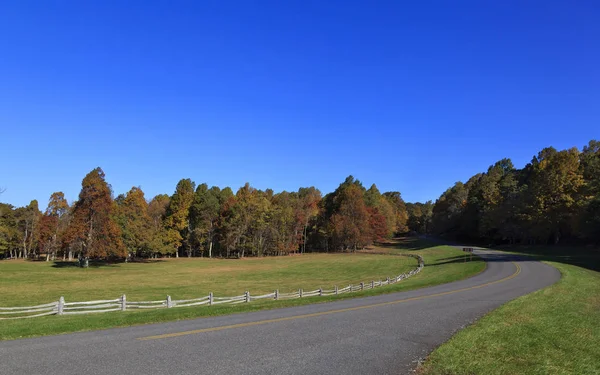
<point>552,331</point>
<point>442,264</point>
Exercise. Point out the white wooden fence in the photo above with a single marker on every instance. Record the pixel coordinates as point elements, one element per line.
<point>61,307</point>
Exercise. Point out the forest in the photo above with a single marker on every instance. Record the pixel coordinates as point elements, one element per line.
<point>199,221</point>
<point>554,199</point>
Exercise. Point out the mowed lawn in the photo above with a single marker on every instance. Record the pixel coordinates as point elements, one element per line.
<point>555,330</point>
<point>23,283</point>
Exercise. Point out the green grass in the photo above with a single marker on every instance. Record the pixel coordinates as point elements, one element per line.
<point>26,283</point>
<point>30,283</point>
<point>555,330</point>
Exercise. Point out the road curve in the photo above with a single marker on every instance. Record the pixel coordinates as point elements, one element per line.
<point>385,334</point>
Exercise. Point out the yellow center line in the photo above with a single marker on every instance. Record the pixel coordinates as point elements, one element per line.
<point>267,321</point>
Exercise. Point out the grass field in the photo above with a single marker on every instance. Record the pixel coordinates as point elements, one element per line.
<point>552,331</point>
<point>30,283</point>
<point>26,283</point>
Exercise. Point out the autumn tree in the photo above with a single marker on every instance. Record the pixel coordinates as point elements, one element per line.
<point>245,222</point>
<point>9,233</point>
<point>399,206</point>
<point>28,219</point>
<point>589,196</point>
<point>286,223</point>
<point>177,220</point>
<point>158,238</point>
<point>419,217</point>
<point>204,217</point>
<point>448,210</point>
<point>135,222</point>
<point>384,216</point>
<point>53,224</point>
<point>92,228</point>
<point>552,198</point>
<point>555,180</point>
<point>350,222</point>
<point>308,210</point>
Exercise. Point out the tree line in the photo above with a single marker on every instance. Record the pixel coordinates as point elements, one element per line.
<point>199,221</point>
<point>554,199</point>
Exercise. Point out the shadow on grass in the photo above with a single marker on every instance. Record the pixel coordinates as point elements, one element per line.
<point>75,264</point>
<point>408,243</point>
<point>580,256</point>
<point>103,263</point>
<point>458,259</point>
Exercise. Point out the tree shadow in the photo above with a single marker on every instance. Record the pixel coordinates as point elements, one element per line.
<point>580,256</point>
<point>92,264</point>
<point>408,243</point>
<point>584,257</point>
<point>456,259</point>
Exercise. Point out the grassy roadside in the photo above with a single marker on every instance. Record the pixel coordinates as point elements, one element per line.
<point>442,264</point>
<point>555,330</point>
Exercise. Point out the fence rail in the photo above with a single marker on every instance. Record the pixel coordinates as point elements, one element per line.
<point>61,307</point>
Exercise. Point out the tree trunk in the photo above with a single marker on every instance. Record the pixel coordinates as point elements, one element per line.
<point>304,244</point>
<point>25,241</point>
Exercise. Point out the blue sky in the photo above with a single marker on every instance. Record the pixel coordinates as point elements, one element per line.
<point>412,96</point>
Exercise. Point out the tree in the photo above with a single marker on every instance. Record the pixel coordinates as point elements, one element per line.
<point>28,219</point>
<point>399,207</point>
<point>9,233</point>
<point>135,223</point>
<point>555,181</point>
<point>245,221</point>
<point>93,229</point>
<point>52,225</point>
<point>177,217</point>
<point>448,210</point>
<point>350,223</point>
<point>157,209</point>
<point>204,216</point>
<point>589,199</point>
<point>419,217</point>
<point>385,214</point>
<point>287,220</point>
<point>309,199</point>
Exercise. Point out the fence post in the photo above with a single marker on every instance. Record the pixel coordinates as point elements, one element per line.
<point>335,288</point>
<point>350,288</point>
<point>372,284</point>
<point>320,292</point>
<point>210,299</point>
<point>61,305</point>
<point>388,280</point>
<point>300,292</point>
<point>276,294</point>
<point>123,302</point>
<point>169,302</point>
<point>362,286</point>
<point>247,296</point>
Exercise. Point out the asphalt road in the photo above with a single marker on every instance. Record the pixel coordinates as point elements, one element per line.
<point>386,334</point>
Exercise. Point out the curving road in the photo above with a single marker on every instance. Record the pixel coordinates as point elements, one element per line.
<point>384,334</point>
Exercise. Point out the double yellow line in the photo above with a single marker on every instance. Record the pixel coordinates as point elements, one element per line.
<point>267,321</point>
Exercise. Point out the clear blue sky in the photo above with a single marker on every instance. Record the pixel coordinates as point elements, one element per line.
<point>411,95</point>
